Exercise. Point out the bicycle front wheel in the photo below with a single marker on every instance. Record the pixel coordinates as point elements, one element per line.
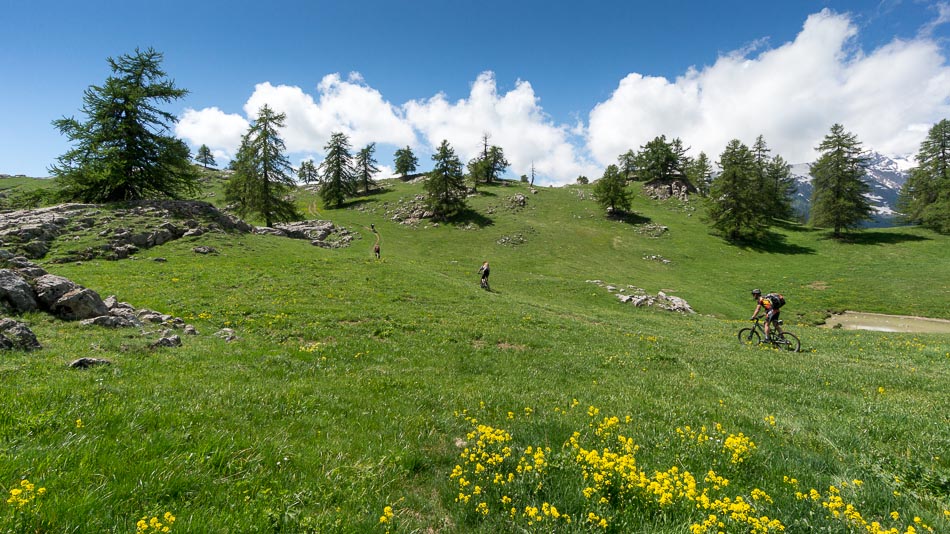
<point>790,342</point>
<point>749,335</point>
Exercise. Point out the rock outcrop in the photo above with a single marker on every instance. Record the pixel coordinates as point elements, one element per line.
<point>22,291</point>
<point>639,298</point>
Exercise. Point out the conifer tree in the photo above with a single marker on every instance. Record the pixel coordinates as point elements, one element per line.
<point>205,157</point>
<point>925,197</point>
<point>774,181</point>
<point>496,163</point>
<point>656,160</point>
<point>308,172</point>
<point>445,185</point>
<point>838,195</point>
<point>337,179</point>
<point>611,190</point>
<point>405,161</point>
<point>366,167</point>
<point>699,172</point>
<point>627,164</point>
<point>123,150</point>
<point>734,210</point>
<point>262,178</point>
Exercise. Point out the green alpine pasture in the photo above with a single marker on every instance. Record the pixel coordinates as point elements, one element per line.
<point>395,395</point>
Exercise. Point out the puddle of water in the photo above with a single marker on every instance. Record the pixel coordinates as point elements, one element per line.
<point>880,322</point>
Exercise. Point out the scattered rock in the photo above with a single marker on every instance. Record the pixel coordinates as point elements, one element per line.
<point>17,335</point>
<point>204,249</point>
<point>16,295</point>
<point>169,341</point>
<point>110,321</point>
<point>639,298</point>
<point>85,363</point>
<point>226,334</point>
<point>80,303</point>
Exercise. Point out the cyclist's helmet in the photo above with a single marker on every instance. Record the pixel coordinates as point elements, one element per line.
<point>756,293</point>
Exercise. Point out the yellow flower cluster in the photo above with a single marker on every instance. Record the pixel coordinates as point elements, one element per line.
<point>844,511</point>
<point>491,472</point>
<point>154,525</point>
<point>611,472</point>
<point>497,478</point>
<point>24,494</point>
<point>387,516</point>
<point>739,447</point>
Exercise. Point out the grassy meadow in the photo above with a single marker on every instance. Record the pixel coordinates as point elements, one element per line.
<point>395,395</point>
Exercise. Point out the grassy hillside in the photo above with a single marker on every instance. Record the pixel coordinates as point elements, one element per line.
<point>357,385</point>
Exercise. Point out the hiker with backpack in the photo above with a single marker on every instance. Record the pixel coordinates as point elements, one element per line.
<point>772,303</point>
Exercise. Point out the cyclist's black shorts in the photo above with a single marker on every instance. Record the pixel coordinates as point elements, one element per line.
<point>772,315</point>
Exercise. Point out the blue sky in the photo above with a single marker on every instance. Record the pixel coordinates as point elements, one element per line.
<point>562,86</point>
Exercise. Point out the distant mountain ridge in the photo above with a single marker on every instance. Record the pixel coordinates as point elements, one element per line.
<point>886,176</point>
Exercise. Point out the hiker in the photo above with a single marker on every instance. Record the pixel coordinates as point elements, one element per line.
<point>376,250</point>
<point>484,269</point>
<point>772,304</point>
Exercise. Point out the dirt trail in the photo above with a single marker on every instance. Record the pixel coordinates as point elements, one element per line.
<point>851,320</point>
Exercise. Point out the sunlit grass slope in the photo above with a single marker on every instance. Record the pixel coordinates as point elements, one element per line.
<point>395,395</point>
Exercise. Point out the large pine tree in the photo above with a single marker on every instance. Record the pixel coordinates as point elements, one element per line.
<point>262,177</point>
<point>337,179</point>
<point>735,210</point>
<point>445,185</point>
<point>123,150</point>
<point>838,196</point>
<point>925,197</point>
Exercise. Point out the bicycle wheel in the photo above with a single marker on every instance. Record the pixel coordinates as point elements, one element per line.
<point>749,335</point>
<point>789,341</point>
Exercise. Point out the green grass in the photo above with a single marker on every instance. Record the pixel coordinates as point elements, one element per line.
<point>353,382</point>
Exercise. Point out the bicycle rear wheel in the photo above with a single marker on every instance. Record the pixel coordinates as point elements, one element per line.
<point>789,341</point>
<point>749,335</point>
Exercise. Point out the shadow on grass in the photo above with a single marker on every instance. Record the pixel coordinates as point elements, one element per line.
<point>470,216</point>
<point>878,238</point>
<point>773,243</point>
<point>629,217</point>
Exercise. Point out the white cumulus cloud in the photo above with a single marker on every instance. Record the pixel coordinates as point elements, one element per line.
<point>514,121</point>
<point>220,131</point>
<point>791,94</point>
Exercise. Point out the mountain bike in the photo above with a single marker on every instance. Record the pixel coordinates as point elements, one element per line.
<point>782,340</point>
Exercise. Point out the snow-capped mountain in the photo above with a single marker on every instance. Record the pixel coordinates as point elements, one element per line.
<point>886,175</point>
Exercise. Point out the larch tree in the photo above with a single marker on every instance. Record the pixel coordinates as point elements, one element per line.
<point>205,157</point>
<point>337,179</point>
<point>699,173</point>
<point>262,179</point>
<point>405,161</point>
<point>611,190</point>
<point>445,184</point>
<point>657,160</point>
<point>627,164</point>
<point>838,196</point>
<point>366,167</point>
<point>774,181</point>
<point>307,172</point>
<point>733,208</point>
<point>123,150</point>
<point>925,197</point>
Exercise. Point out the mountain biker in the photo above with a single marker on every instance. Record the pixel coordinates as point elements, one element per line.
<point>772,311</point>
<point>484,269</point>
